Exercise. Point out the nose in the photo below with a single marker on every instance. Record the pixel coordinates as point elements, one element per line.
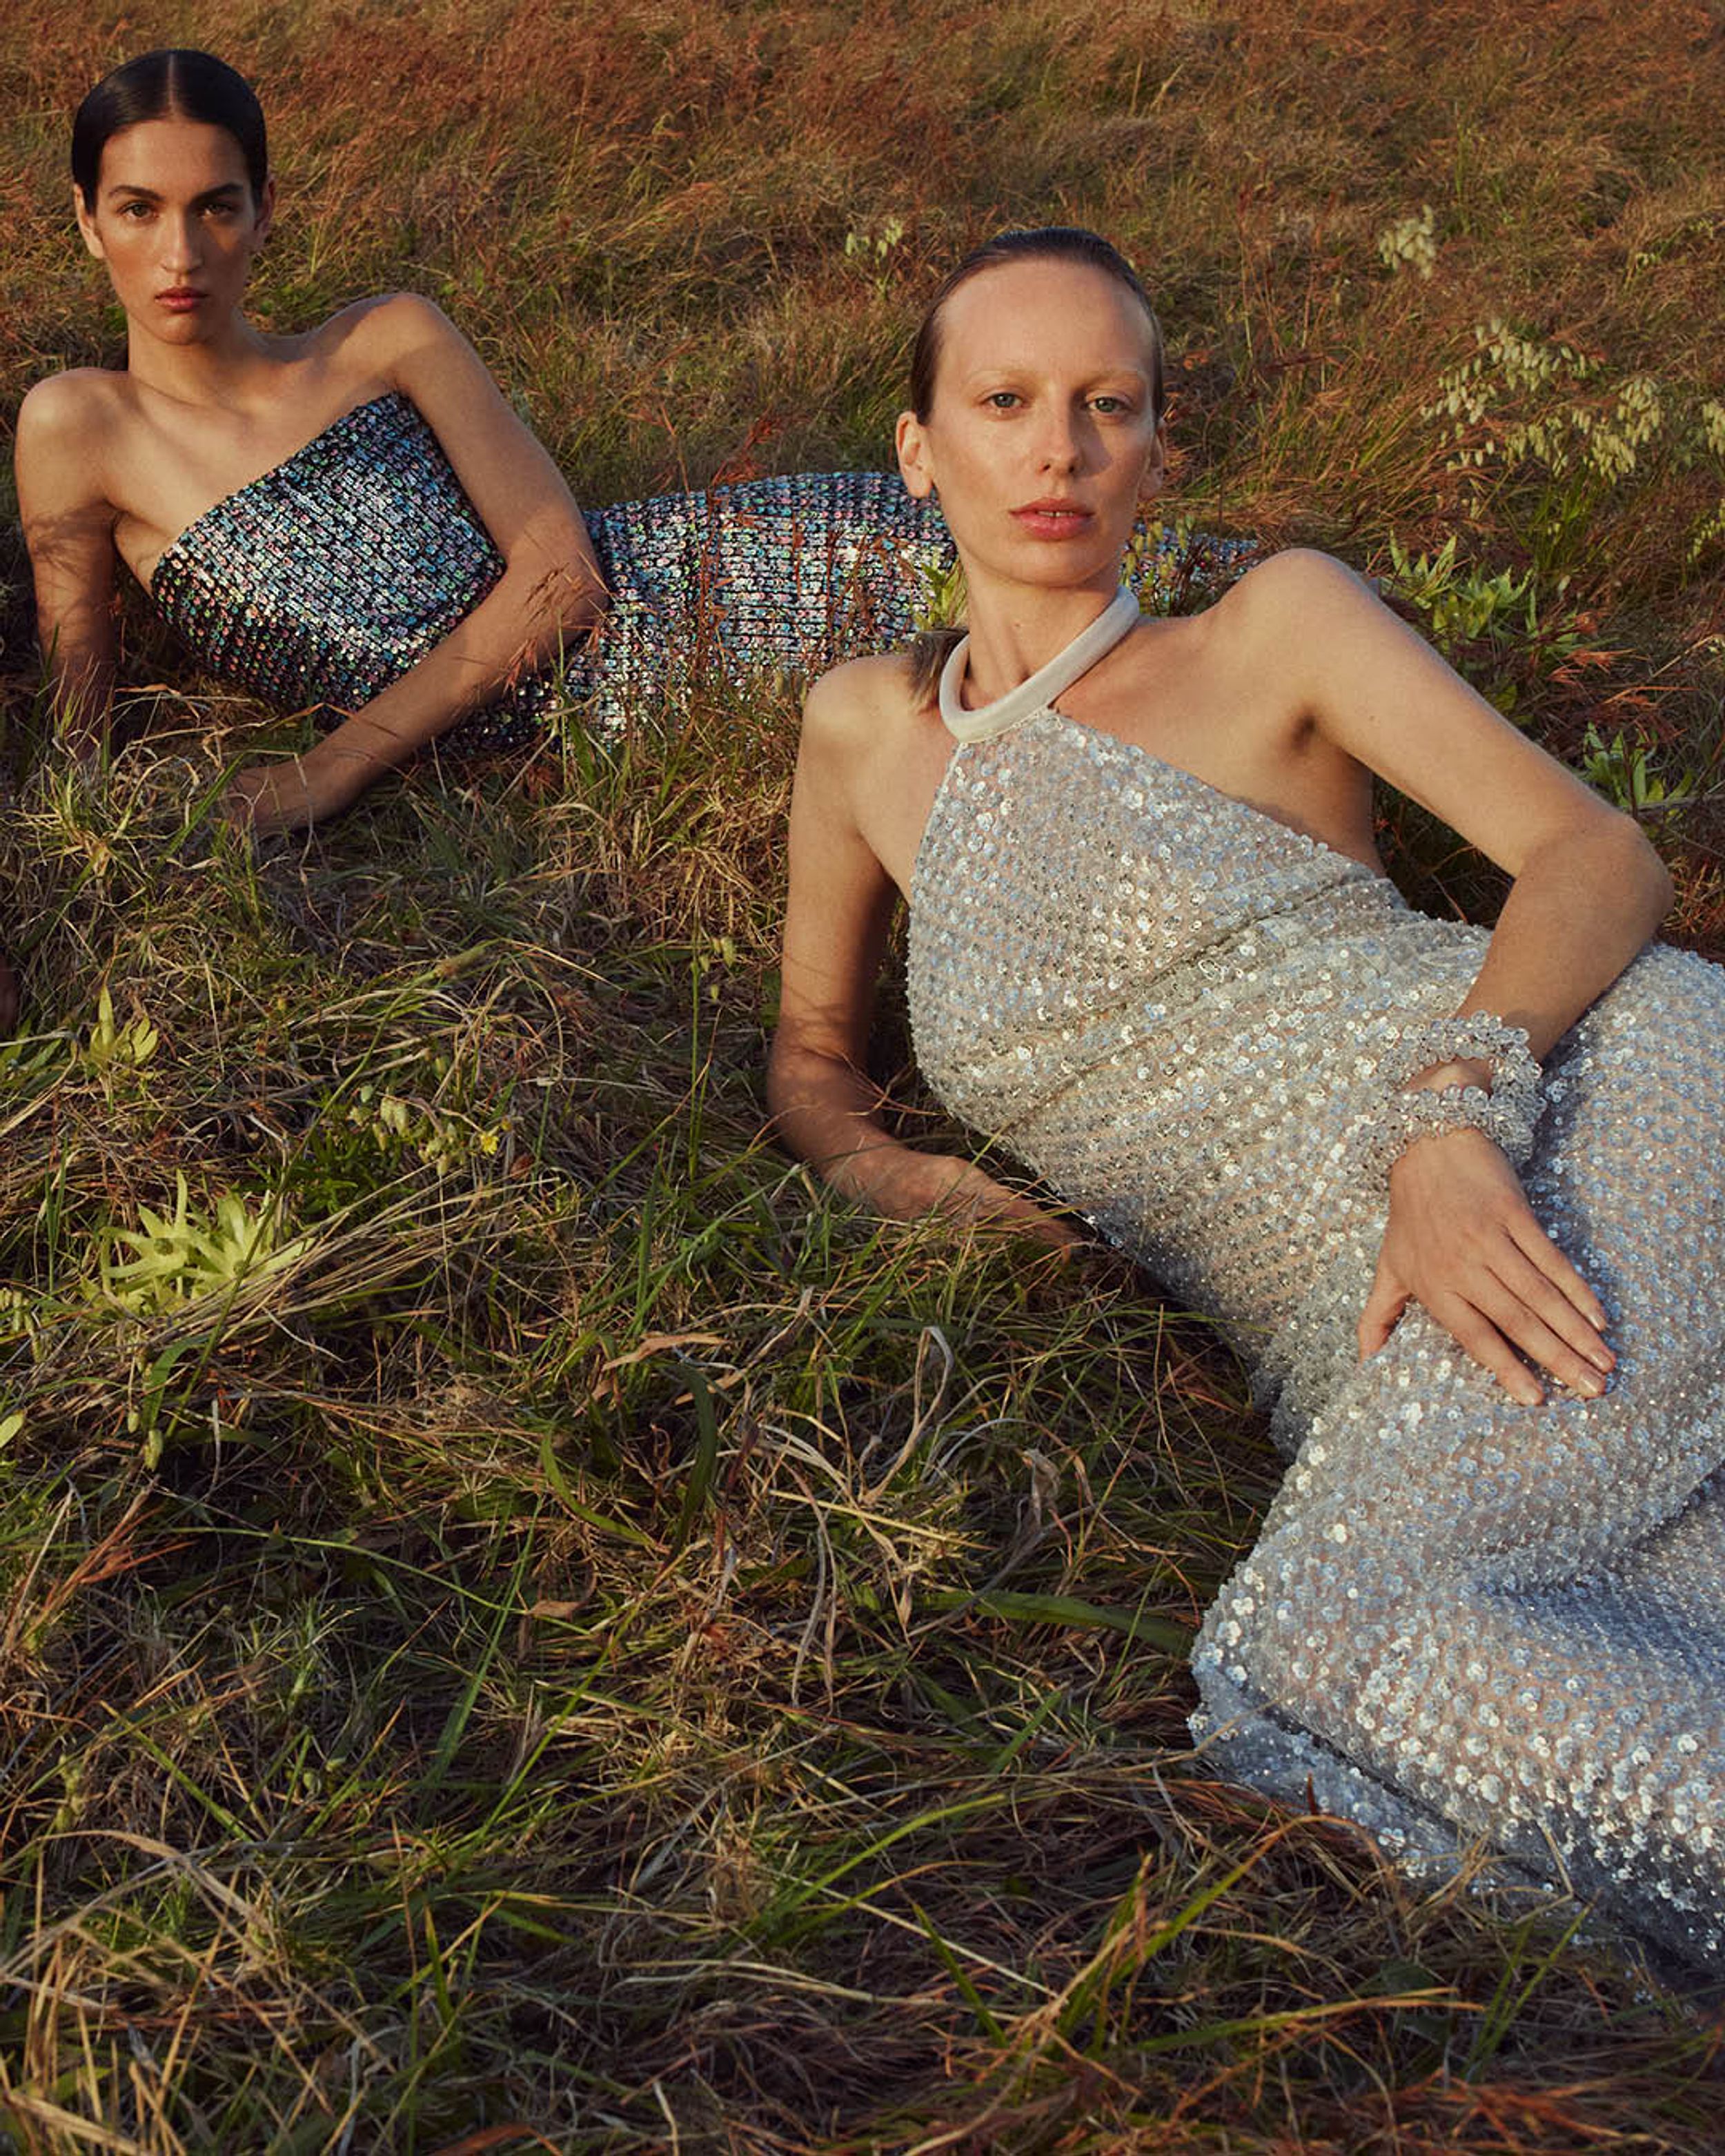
<point>1060,447</point>
<point>181,250</point>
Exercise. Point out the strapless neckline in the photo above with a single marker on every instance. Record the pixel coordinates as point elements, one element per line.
<point>187,539</point>
<point>1094,641</point>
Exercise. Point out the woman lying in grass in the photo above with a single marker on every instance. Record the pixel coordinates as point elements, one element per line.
<point>352,520</point>
<point>1152,951</point>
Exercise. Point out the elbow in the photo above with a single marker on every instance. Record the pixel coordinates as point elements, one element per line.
<point>587,595</point>
<point>574,594</point>
<point>558,585</point>
<point>1663,892</point>
<point>1634,860</point>
<point>1613,854</point>
<point>806,1086</point>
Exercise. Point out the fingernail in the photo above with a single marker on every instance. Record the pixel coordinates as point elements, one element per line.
<point>1530,1396</point>
<point>1593,1386</point>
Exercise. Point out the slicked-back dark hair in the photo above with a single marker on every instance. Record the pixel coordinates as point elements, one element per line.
<point>1048,242</point>
<point>176,82</point>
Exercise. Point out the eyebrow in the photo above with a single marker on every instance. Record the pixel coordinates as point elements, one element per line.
<point>233,189</point>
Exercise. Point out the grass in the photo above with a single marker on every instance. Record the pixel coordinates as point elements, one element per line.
<point>524,1624</point>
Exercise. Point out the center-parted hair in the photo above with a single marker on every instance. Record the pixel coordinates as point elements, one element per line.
<point>176,82</point>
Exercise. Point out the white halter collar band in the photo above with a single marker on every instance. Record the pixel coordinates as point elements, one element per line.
<point>1117,619</point>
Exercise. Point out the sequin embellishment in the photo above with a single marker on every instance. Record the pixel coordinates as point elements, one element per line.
<point>316,586</point>
<point>1462,1616</point>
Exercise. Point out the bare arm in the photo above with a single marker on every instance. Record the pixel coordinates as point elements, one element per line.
<point>69,528</point>
<point>840,909</point>
<point>1587,891</point>
<point>548,598</point>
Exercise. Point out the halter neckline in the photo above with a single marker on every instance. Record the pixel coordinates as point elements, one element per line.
<point>1117,619</point>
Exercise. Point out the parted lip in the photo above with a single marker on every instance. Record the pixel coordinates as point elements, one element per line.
<point>1051,505</point>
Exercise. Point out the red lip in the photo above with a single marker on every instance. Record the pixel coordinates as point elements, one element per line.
<point>1052,518</point>
<point>182,296</point>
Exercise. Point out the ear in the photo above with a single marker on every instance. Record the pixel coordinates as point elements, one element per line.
<point>86,224</point>
<point>914,466</point>
<point>1155,465</point>
<point>265,220</point>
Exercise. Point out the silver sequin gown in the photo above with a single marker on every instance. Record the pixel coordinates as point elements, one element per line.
<point>1461,1614</point>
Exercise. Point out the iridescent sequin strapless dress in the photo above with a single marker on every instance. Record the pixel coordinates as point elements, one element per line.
<point>317,585</point>
<point>1461,1614</point>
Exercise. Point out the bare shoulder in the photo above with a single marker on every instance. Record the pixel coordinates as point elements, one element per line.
<point>394,326</point>
<point>1294,585</point>
<point>383,332</point>
<point>64,425</point>
<point>847,710</point>
<point>61,408</point>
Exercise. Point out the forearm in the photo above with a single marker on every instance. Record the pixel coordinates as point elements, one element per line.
<point>827,1114</point>
<point>1578,912</point>
<point>526,622</point>
<point>827,1111</point>
<point>81,699</point>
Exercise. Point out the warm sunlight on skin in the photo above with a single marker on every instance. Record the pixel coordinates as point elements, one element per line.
<point>1287,696</point>
<point>120,462</point>
<point>782,1730</point>
<point>175,227</point>
<point>1042,443</point>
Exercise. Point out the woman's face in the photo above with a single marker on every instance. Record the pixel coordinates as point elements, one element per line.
<point>1041,439</point>
<point>177,224</point>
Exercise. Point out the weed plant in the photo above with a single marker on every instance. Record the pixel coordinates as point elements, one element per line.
<point>524,1623</point>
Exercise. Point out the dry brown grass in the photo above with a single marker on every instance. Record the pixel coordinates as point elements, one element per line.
<point>601,1649</point>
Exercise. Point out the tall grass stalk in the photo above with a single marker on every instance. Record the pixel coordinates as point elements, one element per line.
<point>523,1624</point>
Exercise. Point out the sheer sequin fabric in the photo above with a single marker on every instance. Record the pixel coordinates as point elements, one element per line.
<point>317,585</point>
<point>1463,1617</point>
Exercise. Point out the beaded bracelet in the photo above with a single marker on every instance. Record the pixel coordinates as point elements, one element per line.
<point>1508,1114</point>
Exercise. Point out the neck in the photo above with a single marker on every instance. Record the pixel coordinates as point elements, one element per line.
<point>213,372</point>
<point>1014,635</point>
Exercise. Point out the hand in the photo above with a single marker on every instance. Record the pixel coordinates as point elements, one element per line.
<point>267,797</point>
<point>909,1185</point>
<point>1463,1242</point>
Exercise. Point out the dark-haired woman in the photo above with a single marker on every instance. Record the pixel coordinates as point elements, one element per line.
<point>353,521</point>
<point>1152,951</point>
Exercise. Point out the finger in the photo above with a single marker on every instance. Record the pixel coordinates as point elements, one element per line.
<point>970,1194</point>
<point>1533,1337</point>
<point>1478,1337</point>
<point>1531,1240</point>
<point>1383,1312</point>
<point>1522,1278</point>
<point>1021,1216</point>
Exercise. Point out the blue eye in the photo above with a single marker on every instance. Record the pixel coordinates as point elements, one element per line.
<point>1001,400</point>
